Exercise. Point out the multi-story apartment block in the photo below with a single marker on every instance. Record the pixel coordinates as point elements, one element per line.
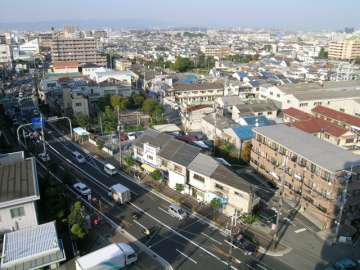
<point>216,50</point>
<point>18,193</point>
<point>313,174</point>
<point>196,93</point>
<point>5,55</point>
<point>347,49</point>
<point>342,96</point>
<point>83,50</point>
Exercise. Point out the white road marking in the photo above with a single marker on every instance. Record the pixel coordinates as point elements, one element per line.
<point>300,230</point>
<point>211,238</point>
<point>166,212</point>
<point>186,256</point>
<point>289,221</point>
<point>141,225</point>
<point>227,242</point>
<point>98,183</point>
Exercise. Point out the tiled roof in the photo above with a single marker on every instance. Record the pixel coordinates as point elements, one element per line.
<point>66,64</point>
<point>197,107</point>
<point>316,125</point>
<point>179,152</point>
<point>340,116</point>
<point>297,114</point>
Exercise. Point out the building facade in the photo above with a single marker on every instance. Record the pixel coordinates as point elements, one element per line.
<point>83,50</point>
<point>348,49</point>
<point>312,173</point>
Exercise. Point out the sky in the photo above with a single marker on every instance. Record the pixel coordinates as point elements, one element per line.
<point>279,14</point>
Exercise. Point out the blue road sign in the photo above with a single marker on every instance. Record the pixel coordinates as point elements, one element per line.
<point>36,122</point>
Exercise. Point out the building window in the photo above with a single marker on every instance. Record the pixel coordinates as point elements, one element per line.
<point>164,163</point>
<point>303,104</point>
<point>177,169</point>
<point>149,157</point>
<point>327,136</point>
<point>342,110</point>
<point>349,140</point>
<point>78,104</point>
<point>199,178</point>
<point>278,95</point>
<point>269,113</point>
<point>17,212</point>
<point>271,93</point>
<point>238,194</point>
<point>219,186</point>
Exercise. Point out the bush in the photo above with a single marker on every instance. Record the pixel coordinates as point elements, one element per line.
<point>100,144</point>
<point>248,218</point>
<point>179,188</point>
<point>156,175</point>
<point>129,161</point>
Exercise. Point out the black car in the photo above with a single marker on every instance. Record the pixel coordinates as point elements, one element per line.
<point>248,247</point>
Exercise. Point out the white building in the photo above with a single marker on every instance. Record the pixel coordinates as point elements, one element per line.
<point>19,192</point>
<point>5,55</point>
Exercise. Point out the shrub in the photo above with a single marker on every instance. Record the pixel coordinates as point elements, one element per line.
<point>179,188</point>
<point>156,175</point>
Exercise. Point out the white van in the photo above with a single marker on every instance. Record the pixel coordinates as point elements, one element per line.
<point>110,169</point>
<point>79,157</point>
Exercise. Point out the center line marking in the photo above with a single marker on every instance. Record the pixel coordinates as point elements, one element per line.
<point>211,238</point>
<point>186,256</point>
<point>300,230</point>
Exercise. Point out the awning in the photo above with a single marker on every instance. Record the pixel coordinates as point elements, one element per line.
<point>148,168</point>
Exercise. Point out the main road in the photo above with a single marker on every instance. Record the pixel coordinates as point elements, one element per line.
<point>188,244</point>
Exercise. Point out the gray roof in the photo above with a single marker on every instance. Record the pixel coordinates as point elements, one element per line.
<point>231,100</point>
<point>327,94</point>
<point>32,248</point>
<point>179,152</point>
<point>197,86</point>
<point>153,137</point>
<point>319,152</point>
<point>203,164</point>
<point>256,106</point>
<point>18,180</point>
<point>208,166</point>
<point>222,122</point>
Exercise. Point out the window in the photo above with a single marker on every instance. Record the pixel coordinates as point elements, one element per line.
<point>327,136</point>
<point>271,93</point>
<point>303,104</point>
<point>177,169</point>
<point>17,212</point>
<point>199,178</point>
<point>278,95</point>
<point>164,163</point>
<point>288,101</point>
<point>349,140</point>
<point>149,157</point>
<point>269,113</point>
<point>219,186</point>
<point>78,104</point>
<point>342,110</point>
<point>238,194</point>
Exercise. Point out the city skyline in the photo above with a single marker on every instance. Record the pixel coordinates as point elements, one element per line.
<point>287,15</point>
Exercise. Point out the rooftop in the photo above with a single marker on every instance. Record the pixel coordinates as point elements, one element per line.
<point>32,248</point>
<point>297,114</point>
<point>66,64</point>
<point>324,154</point>
<point>222,122</point>
<point>317,125</point>
<point>256,106</point>
<point>179,152</point>
<point>18,181</point>
<point>153,137</point>
<point>197,86</point>
<point>340,116</point>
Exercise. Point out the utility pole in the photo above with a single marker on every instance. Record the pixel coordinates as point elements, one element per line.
<point>215,120</point>
<point>119,130</point>
<point>233,224</point>
<point>279,210</point>
<point>101,126</point>
<point>343,201</point>
<point>42,133</point>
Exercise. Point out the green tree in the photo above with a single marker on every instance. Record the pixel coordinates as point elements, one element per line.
<point>182,64</point>
<point>103,102</point>
<point>129,161</point>
<point>76,215</point>
<point>215,204</point>
<point>149,106</point>
<point>77,231</point>
<point>156,175</point>
<point>83,120</point>
<point>323,54</point>
<point>100,144</point>
<point>119,102</point>
<point>138,100</point>
<point>179,188</point>
<point>246,151</point>
<point>109,120</point>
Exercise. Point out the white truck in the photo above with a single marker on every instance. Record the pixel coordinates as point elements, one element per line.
<point>120,193</point>
<point>111,257</point>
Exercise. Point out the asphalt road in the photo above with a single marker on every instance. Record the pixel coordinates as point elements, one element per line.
<point>187,244</point>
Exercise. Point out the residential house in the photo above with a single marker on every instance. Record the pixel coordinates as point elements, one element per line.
<point>256,108</point>
<point>291,115</point>
<point>19,192</point>
<point>209,179</point>
<point>191,116</point>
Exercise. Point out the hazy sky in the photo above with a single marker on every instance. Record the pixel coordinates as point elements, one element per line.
<point>288,14</point>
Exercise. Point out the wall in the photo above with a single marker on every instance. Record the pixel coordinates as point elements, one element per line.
<point>29,219</point>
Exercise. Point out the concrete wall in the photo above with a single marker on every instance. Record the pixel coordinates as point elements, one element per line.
<point>7,223</point>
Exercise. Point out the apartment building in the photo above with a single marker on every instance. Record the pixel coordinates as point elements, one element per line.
<point>345,120</point>
<point>312,172</point>
<point>347,49</point>
<point>256,108</point>
<point>196,93</point>
<point>19,192</point>
<point>191,116</point>
<point>339,95</point>
<point>216,50</point>
<point>5,56</point>
<point>83,50</point>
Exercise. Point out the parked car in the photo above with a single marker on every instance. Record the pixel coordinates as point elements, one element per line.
<point>44,157</point>
<point>248,247</point>
<point>79,157</point>
<point>176,211</point>
<point>83,189</point>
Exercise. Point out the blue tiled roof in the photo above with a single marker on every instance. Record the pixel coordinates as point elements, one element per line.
<point>261,120</point>
<point>244,132</point>
<point>242,74</point>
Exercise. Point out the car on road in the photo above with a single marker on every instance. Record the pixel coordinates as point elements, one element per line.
<point>176,211</point>
<point>345,263</point>
<point>248,247</point>
<point>79,157</point>
<point>44,157</point>
<point>83,189</point>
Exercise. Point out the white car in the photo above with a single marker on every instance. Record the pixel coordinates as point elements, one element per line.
<point>79,157</point>
<point>44,157</point>
<point>176,211</point>
<point>82,188</point>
